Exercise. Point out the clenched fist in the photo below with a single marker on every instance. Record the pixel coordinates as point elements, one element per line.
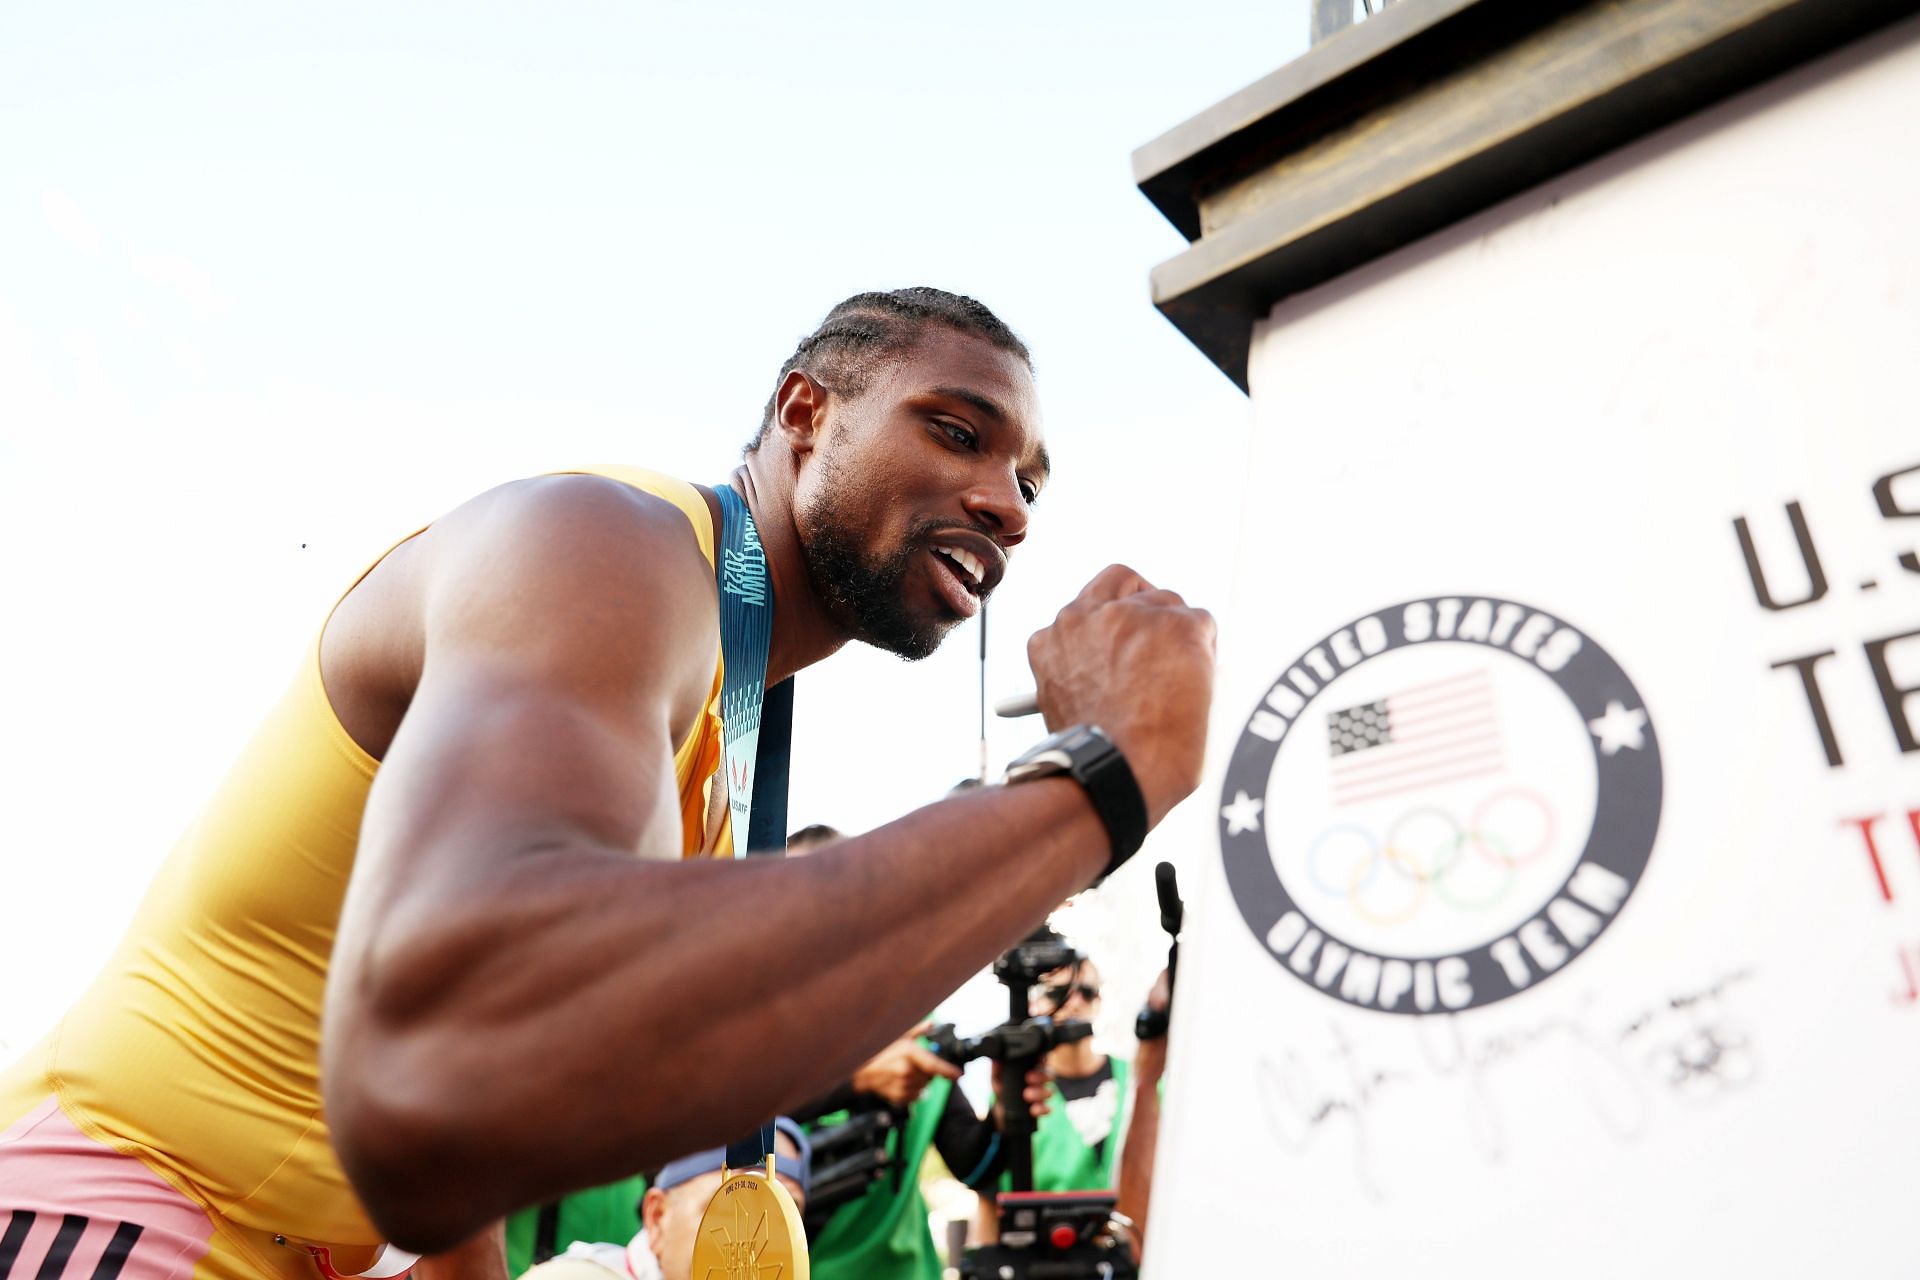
<point>1137,661</point>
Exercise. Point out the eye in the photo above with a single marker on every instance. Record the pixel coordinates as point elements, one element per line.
<point>962,436</point>
<point>1029,491</point>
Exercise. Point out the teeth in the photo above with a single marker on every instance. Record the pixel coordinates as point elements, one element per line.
<point>967,561</point>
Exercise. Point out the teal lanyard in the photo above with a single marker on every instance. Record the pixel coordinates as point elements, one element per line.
<point>757,723</point>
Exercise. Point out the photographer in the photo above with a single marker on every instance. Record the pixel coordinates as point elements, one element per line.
<point>1102,1125</point>
<point>881,1122</point>
<point>1077,1146</point>
<point>902,1102</point>
<point>1085,1090</point>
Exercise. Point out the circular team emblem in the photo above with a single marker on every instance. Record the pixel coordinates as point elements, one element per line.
<point>1440,804</point>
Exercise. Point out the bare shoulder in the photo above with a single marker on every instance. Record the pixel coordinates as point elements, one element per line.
<point>599,527</point>
<point>573,580</point>
<point>571,567</point>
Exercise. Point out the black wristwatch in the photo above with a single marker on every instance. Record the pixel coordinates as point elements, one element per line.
<point>1087,755</point>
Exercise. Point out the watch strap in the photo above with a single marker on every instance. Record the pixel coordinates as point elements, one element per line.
<point>1090,758</point>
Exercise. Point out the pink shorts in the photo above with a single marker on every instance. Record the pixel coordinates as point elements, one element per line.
<point>72,1209</point>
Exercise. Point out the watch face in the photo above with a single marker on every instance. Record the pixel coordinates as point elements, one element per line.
<point>1080,745</point>
<point>1077,739</point>
<point>1045,757</point>
<point>1042,760</point>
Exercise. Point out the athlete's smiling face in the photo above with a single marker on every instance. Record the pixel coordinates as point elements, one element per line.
<point>917,487</point>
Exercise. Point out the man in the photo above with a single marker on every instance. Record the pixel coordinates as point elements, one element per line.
<point>882,1232</point>
<point>1077,1144</point>
<point>464,825</point>
<point>670,1212</point>
<point>1102,1126</point>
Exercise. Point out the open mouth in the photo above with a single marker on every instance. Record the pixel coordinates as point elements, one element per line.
<point>966,566</point>
<point>957,583</point>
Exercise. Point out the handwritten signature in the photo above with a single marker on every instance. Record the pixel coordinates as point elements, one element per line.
<point>1686,1045</point>
<point>1699,1054</point>
<point>1297,1104</point>
<point>1597,1072</point>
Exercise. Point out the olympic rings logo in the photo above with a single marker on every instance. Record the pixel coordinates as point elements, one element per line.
<point>1428,855</point>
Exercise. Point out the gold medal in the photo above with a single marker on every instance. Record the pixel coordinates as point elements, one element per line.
<point>751,1230</point>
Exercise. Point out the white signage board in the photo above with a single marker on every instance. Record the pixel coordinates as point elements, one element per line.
<point>1565,918</point>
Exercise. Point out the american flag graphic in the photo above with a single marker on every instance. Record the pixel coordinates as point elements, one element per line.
<point>1441,731</point>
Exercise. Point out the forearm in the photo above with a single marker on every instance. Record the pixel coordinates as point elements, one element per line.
<point>484,1257</point>
<point>586,1014</point>
<point>969,1145</point>
<point>1135,1193</point>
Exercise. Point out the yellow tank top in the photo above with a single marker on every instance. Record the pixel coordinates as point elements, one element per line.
<point>196,1050</point>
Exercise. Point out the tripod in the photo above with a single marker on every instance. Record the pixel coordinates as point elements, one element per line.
<point>1044,1235</point>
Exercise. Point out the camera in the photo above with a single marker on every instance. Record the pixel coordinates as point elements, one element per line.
<point>852,1153</point>
<point>1047,1235</point>
<point>849,1157</point>
<point>1043,1235</point>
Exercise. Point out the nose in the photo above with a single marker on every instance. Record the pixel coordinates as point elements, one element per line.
<point>996,502</point>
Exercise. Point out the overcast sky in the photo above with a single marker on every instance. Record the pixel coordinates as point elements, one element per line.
<point>279,283</point>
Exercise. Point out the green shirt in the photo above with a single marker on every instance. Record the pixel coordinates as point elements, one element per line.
<point>1062,1160</point>
<point>884,1234</point>
<point>598,1215</point>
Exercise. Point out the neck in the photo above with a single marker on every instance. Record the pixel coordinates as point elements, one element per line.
<point>803,634</point>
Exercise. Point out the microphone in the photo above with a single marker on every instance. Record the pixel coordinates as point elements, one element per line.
<point>1172,910</point>
<point>1153,1023</point>
<point>1020,704</point>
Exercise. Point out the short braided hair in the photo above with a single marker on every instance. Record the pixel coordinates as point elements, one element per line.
<point>863,333</point>
<point>818,833</point>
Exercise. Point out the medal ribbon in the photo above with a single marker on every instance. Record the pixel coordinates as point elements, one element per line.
<point>757,722</point>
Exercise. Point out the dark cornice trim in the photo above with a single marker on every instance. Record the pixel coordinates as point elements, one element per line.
<point>1429,112</point>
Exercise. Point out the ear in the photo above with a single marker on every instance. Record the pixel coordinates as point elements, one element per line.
<point>799,410</point>
<point>653,1211</point>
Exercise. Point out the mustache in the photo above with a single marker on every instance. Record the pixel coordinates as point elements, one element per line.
<point>923,532</point>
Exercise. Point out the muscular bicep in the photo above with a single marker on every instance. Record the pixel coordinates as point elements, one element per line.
<point>569,638</point>
<point>491,767</point>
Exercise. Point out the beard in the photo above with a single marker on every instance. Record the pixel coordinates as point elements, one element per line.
<point>865,594</point>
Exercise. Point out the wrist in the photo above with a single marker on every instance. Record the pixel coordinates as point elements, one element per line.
<point>1085,755</point>
<point>1162,784</point>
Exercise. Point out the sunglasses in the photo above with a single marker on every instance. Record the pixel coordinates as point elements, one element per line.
<point>1059,994</point>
